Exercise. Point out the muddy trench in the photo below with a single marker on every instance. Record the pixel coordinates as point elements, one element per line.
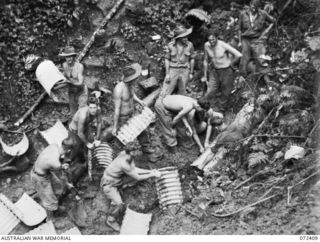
<point>203,196</point>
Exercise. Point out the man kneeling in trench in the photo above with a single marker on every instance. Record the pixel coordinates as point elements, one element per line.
<point>119,173</point>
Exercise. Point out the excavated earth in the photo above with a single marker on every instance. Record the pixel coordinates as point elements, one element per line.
<point>274,216</point>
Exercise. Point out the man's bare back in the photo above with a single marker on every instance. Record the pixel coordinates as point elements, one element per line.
<point>126,95</point>
<point>178,102</point>
<point>119,165</point>
<point>49,159</point>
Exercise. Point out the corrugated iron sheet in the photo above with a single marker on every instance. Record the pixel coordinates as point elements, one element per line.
<point>56,134</point>
<point>8,219</point>
<point>44,229</point>
<point>135,223</point>
<point>33,213</point>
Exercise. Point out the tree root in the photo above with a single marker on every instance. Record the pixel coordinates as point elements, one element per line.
<point>244,208</point>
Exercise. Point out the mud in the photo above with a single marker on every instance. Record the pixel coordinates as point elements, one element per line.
<point>202,195</point>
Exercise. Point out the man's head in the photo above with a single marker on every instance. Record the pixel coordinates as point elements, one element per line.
<point>66,146</point>
<point>203,103</point>
<point>93,106</point>
<point>69,53</point>
<point>213,39</point>
<point>254,6</point>
<point>131,73</point>
<point>130,149</point>
<point>202,106</point>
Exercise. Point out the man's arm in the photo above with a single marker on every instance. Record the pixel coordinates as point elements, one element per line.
<point>237,55</point>
<point>81,128</point>
<point>195,135</point>
<point>192,56</point>
<point>117,105</point>
<point>80,75</point>
<point>205,62</point>
<point>208,133</point>
<point>167,61</point>
<point>138,100</point>
<point>132,171</point>
<point>269,17</point>
<point>186,109</point>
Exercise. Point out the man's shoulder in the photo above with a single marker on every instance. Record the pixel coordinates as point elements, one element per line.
<point>118,88</point>
<point>189,43</point>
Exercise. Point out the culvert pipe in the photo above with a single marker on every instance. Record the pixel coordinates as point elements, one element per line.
<point>169,187</point>
<point>135,223</point>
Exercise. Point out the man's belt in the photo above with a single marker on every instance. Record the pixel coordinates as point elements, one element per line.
<point>180,66</point>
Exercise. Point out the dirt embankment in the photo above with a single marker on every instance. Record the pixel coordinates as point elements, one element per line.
<point>204,196</point>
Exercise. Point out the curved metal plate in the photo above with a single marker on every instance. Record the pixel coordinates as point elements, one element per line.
<point>17,149</point>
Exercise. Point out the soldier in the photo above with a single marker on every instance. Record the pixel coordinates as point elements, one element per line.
<point>124,97</point>
<point>251,37</point>
<point>73,70</point>
<point>223,58</point>
<point>120,172</point>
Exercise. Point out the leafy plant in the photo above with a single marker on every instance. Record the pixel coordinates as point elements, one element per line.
<point>255,159</point>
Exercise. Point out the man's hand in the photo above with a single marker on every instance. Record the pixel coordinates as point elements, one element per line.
<point>201,150</point>
<point>206,145</point>
<point>156,173</point>
<point>239,44</point>
<point>96,143</point>
<point>142,103</point>
<point>65,166</point>
<point>114,131</point>
<point>190,76</point>
<point>97,94</point>
<point>69,185</point>
<point>189,131</point>
<point>204,79</point>
<point>167,78</point>
<point>90,146</point>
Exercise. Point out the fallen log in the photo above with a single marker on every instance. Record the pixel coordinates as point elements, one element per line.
<point>244,208</point>
<point>79,58</point>
<point>34,106</point>
<point>102,24</point>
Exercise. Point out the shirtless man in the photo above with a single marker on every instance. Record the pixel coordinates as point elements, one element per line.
<point>79,125</point>
<point>122,168</point>
<point>182,105</point>
<point>42,175</point>
<point>124,98</point>
<point>73,70</point>
<point>223,57</point>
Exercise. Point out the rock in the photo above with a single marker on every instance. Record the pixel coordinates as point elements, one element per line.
<point>94,62</point>
<point>149,83</point>
<point>248,214</point>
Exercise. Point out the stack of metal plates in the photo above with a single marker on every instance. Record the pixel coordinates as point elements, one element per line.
<point>169,187</point>
<point>102,156</point>
<point>135,125</point>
